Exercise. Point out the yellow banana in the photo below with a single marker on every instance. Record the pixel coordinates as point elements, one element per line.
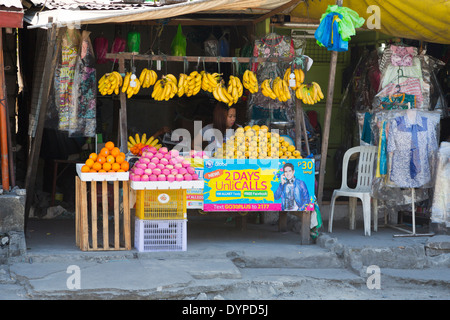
<point>157,89</point>
<point>126,82</point>
<point>132,140</point>
<point>137,87</point>
<point>142,76</point>
<point>149,140</point>
<point>319,90</point>
<point>154,142</point>
<point>144,138</point>
<point>216,93</point>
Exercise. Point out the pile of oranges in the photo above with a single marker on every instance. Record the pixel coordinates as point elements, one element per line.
<point>109,159</point>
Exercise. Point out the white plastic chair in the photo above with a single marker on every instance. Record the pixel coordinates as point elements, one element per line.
<point>366,161</point>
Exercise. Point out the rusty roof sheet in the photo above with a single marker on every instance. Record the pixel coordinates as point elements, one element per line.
<point>90,5</point>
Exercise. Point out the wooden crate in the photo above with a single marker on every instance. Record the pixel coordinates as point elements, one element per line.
<point>89,237</point>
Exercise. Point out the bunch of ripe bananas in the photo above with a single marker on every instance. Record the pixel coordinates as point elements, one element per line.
<point>210,81</point>
<point>279,89</point>
<point>299,77</point>
<point>165,88</point>
<point>110,83</point>
<point>235,89</point>
<point>192,83</point>
<point>136,143</point>
<point>131,84</point>
<point>309,93</point>
<point>147,78</point>
<point>250,82</point>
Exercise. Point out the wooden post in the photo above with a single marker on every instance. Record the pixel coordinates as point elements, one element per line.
<point>3,121</point>
<point>327,121</point>
<point>123,129</point>
<point>47,79</point>
<point>298,124</point>
<point>306,222</point>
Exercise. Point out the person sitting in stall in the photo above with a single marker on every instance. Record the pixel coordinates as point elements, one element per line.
<point>224,118</point>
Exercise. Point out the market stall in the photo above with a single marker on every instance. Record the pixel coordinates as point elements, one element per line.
<point>167,173</point>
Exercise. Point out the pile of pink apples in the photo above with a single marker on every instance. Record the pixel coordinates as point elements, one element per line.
<point>162,165</point>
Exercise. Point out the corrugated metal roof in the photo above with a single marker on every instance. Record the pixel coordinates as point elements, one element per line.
<point>11,4</point>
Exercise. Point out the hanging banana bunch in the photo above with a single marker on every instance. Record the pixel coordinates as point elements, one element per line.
<point>210,81</point>
<point>131,84</point>
<point>249,81</point>
<point>220,93</point>
<point>110,83</point>
<point>147,78</point>
<point>299,77</point>
<point>193,84</point>
<point>235,89</point>
<point>181,81</point>
<point>165,88</point>
<point>281,89</point>
<point>266,89</point>
<point>309,93</point>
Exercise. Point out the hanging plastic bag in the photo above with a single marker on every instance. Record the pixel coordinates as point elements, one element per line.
<point>178,46</point>
<point>134,41</point>
<point>119,44</point>
<point>224,45</point>
<point>211,46</point>
<point>327,34</point>
<point>101,49</point>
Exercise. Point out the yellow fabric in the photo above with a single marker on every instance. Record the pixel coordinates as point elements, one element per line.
<point>426,20</point>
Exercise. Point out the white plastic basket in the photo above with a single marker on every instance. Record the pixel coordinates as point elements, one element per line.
<point>160,235</point>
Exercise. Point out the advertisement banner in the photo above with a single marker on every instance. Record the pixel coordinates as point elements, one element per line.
<point>259,185</point>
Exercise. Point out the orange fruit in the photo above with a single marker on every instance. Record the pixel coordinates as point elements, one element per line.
<point>120,170</point>
<point>93,156</point>
<point>125,166</point>
<point>85,168</point>
<point>122,154</point>
<point>89,163</point>
<point>101,170</point>
<point>115,151</point>
<point>120,159</point>
<point>97,166</point>
<point>111,170</point>
<point>115,166</point>
<point>101,159</point>
<point>107,166</point>
<point>92,170</point>
<point>109,145</point>
<point>104,152</point>
<point>110,159</point>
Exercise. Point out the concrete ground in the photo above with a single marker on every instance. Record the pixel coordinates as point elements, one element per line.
<point>225,263</point>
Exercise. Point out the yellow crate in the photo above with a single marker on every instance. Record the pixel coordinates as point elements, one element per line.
<point>161,204</point>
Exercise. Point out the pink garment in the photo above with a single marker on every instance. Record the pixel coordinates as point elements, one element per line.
<point>409,86</point>
<point>402,56</point>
